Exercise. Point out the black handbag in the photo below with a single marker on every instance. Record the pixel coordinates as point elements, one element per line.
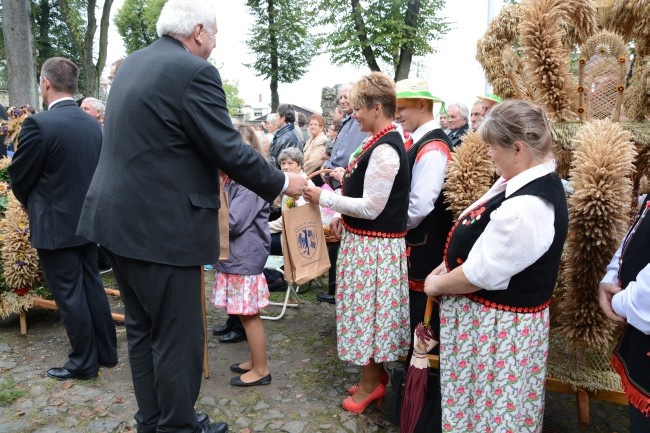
<point>431,417</point>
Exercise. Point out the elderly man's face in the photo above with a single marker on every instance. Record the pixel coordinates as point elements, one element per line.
<point>456,121</point>
<point>476,115</point>
<point>208,40</point>
<point>346,107</point>
<point>88,108</point>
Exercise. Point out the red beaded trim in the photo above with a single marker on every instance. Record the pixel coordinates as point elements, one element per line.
<point>372,140</point>
<point>512,309</point>
<point>374,234</point>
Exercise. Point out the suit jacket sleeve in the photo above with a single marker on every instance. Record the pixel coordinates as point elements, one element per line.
<point>28,161</point>
<point>207,122</point>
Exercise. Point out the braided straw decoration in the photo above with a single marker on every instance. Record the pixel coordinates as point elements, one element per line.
<point>500,34</point>
<point>547,65</point>
<point>470,173</point>
<point>599,211</point>
<point>602,76</point>
<point>21,266</point>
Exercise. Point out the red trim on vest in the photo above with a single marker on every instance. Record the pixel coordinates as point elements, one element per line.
<point>510,308</point>
<point>636,396</point>
<point>373,234</point>
<point>438,145</point>
<point>416,286</point>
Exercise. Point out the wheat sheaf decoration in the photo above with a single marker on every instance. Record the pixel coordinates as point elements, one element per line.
<point>599,211</point>
<point>21,269</point>
<point>500,34</point>
<point>470,173</point>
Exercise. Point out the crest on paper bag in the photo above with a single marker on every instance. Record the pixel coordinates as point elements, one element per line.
<point>307,240</point>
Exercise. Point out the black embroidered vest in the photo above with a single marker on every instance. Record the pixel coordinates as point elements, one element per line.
<point>530,290</point>
<point>391,222</point>
<point>426,242</point>
<point>632,354</point>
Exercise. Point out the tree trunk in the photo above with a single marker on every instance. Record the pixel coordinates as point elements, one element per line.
<point>273,41</point>
<point>19,45</point>
<point>403,66</point>
<point>360,27</point>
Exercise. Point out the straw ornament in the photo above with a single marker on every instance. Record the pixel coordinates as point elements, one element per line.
<point>599,212</point>
<point>470,173</point>
<point>500,34</point>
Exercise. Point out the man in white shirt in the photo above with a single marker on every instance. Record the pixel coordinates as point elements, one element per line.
<point>428,150</point>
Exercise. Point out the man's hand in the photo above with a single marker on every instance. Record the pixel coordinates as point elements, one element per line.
<point>605,293</point>
<point>297,185</point>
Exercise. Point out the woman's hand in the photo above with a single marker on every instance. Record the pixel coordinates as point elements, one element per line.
<point>605,293</point>
<point>312,194</point>
<point>432,285</point>
<point>338,173</point>
<point>441,269</point>
<point>336,226</point>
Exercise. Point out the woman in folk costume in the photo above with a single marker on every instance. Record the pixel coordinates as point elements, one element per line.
<point>624,295</point>
<point>495,284</point>
<point>372,312</point>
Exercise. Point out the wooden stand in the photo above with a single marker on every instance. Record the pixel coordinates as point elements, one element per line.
<point>582,395</point>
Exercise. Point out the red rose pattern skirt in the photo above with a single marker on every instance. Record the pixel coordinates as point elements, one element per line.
<point>372,307</point>
<point>240,294</point>
<point>492,368</point>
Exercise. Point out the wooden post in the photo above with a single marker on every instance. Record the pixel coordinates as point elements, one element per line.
<point>23,323</point>
<point>206,371</point>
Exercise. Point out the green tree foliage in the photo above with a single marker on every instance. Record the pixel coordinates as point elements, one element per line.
<point>281,42</point>
<point>379,32</point>
<point>136,23</point>
<point>234,101</point>
<point>80,17</point>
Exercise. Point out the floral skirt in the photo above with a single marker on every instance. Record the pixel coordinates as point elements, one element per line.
<point>492,368</point>
<point>240,294</point>
<point>372,307</point>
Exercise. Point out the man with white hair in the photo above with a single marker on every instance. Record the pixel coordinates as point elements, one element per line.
<point>94,107</point>
<point>458,116</point>
<point>153,205</point>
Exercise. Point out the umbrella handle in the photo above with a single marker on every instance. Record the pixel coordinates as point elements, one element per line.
<point>428,310</point>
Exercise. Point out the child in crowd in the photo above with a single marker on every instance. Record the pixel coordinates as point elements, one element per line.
<point>240,286</point>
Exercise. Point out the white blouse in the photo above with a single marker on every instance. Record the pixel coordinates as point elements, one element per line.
<point>633,303</point>
<point>520,231</point>
<point>383,166</point>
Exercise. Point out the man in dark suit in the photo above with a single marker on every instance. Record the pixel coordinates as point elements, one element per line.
<point>153,205</point>
<point>51,170</point>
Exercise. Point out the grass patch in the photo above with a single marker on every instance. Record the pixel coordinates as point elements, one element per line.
<point>9,393</point>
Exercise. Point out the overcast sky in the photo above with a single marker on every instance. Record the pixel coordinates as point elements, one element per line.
<point>453,73</point>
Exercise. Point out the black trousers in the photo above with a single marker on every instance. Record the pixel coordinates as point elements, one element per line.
<point>73,278</point>
<point>164,328</point>
<point>639,422</point>
<point>333,253</point>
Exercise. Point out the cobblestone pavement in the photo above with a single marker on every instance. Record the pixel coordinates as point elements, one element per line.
<point>309,382</point>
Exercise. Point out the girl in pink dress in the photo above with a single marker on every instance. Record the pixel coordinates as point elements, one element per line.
<point>240,286</point>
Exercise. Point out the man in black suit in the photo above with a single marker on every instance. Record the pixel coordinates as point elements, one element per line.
<point>153,205</point>
<point>51,170</point>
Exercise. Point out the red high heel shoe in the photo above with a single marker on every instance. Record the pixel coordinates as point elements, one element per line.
<point>383,378</point>
<point>378,394</point>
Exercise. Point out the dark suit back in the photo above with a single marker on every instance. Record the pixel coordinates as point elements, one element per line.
<point>52,169</point>
<point>167,131</point>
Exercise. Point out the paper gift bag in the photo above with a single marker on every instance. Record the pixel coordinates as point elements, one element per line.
<point>224,227</point>
<point>303,246</point>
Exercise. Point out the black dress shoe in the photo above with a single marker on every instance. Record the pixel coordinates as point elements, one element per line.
<point>64,374</point>
<point>202,418</point>
<point>235,368</point>
<point>108,364</point>
<point>326,297</point>
<point>236,381</point>
<point>233,337</point>
<point>223,329</point>
<point>215,427</point>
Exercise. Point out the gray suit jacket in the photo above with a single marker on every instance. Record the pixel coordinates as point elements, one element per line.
<point>167,133</point>
<point>52,169</point>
